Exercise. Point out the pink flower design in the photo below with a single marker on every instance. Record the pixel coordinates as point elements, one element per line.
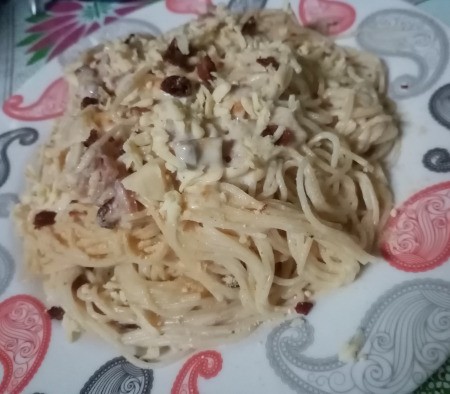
<point>66,22</point>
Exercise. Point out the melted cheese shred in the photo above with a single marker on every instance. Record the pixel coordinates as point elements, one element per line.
<point>261,188</point>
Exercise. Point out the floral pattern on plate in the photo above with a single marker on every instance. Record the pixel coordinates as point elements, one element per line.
<point>437,160</point>
<point>329,16</point>
<point>404,337</point>
<point>440,105</point>
<point>64,23</point>
<point>25,135</point>
<point>50,104</point>
<point>206,364</point>
<point>7,268</point>
<point>411,35</point>
<point>118,376</point>
<point>25,332</point>
<point>417,236</point>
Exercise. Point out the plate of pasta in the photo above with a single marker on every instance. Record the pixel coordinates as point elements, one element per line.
<point>242,197</point>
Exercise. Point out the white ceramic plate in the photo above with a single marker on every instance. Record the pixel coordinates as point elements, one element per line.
<point>401,308</point>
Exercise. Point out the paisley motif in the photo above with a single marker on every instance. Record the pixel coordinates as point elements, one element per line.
<point>330,17</point>
<point>7,201</point>
<point>246,5</point>
<point>440,105</point>
<point>25,136</point>
<point>206,364</point>
<point>7,268</point>
<point>50,104</point>
<point>416,2</point>
<point>411,35</point>
<point>437,160</point>
<point>25,331</point>
<point>406,337</point>
<point>417,237</point>
<point>118,376</point>
<point>198,7</point>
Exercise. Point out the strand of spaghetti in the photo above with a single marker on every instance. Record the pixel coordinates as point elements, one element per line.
<point>224,243</point>
<point>238,197</point>
<point>369,196</point>
<point>336,145</point>
<point>268,266</point>
<point>340,238</point>
<point>232,265</point>
<point>281,184</point>
<point>317,198</point>
<point>300,248</point>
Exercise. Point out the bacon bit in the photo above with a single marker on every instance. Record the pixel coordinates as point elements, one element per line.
<point>174,56</point>
<point>104,214</point>
<point>44,218</point>
<point>249,27</point>
<point>177,86</point>
<point>93,136</point>
<point>268,61</point>
<point>113,148</point>
<point>269,130</point>
<point>286,138</point>
<point>56,313</point>
<point>205,67</point>
<point>303,308</point>
<point>88,101</point>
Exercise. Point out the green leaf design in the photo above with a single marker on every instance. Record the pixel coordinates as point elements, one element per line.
<point>95,10</point>
<point>89,13</point>
<point>38,17</point>
<point>38,55</point>
<point>103,8</point>
<point>28,39</point>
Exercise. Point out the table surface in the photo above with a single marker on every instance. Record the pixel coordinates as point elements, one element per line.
<point>20,60</point>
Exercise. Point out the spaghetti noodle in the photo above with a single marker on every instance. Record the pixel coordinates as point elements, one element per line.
<point>211,179</point>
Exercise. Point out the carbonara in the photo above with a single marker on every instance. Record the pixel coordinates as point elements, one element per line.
<point>207,180</point>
